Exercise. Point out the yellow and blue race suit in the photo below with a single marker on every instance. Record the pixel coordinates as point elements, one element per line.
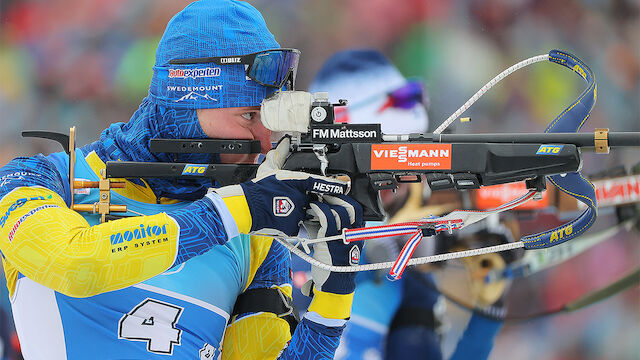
<point>141,287</point>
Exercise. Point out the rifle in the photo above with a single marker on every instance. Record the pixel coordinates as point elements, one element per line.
<point>445,161</point>
<point>374,161</point>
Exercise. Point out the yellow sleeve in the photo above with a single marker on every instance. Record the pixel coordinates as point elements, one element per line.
<point>257,336</point>
<point>47,242</point>
<point>261,335</point>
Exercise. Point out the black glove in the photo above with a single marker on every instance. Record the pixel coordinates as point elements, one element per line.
<point>329,216</point>
<point>276,199</point>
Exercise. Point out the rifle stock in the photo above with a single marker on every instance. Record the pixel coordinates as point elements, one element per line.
<point>373,167</point>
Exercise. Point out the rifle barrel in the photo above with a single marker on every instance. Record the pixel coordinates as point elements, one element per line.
<point>578,139</point>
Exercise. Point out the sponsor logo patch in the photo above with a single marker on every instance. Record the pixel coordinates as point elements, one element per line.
<point>230,60</point>
<point>341,133</point>
<point>354,255</point>
<point>282,206</point>
<point>410,156</point>
<point>18,204</point>
<point>195,96</point>
<point>139,233</point>
<point>202,88</point>
<point>194,73</point>
<point>192,169</point>
<point>328,188</point>
<point>24,217</point>
<point>549,149</point>
<point>18,175</point>
<point>561,233</point>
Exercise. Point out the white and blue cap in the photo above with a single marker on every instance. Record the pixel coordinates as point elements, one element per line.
<point>214,54</point>
<point>375,90</point>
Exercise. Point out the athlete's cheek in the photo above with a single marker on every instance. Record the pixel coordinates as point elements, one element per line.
<point>264,135</point>
<point>235,129</point>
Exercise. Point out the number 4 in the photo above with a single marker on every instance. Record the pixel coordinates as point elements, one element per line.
<point>152,321</point>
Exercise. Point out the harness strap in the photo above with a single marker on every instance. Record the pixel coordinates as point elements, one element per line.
<point>270,300</point>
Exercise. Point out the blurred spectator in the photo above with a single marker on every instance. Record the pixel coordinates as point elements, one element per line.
<point>71,62</point>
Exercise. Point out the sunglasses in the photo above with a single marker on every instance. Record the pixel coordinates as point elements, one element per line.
<point>407,96</point>
<point>275,68</point>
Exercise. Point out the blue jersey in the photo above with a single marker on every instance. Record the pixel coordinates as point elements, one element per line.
<point>180,311</point>
<point>372,334</point>
<point>374,305</point>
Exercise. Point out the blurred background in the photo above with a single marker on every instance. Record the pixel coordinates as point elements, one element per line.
<point>88,63</point>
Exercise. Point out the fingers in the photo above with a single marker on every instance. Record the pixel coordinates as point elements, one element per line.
<point>274,161</point>
<point>291,175</point>
<point>327,217</point>
<point>275,158</point>
<point>350,206</point>
<point>281,152</point>
<point>333,215</point>
<point>342,217</point>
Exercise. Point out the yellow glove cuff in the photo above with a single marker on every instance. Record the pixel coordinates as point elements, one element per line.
<point>331,306</point>
<point>234,198</point>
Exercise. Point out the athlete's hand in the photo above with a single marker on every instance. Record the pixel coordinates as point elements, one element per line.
<point>276,199</point>
<point>328,218</point>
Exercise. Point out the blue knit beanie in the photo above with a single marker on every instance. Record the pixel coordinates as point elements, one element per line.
<point>205,28</point>
<point>210,28</point>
